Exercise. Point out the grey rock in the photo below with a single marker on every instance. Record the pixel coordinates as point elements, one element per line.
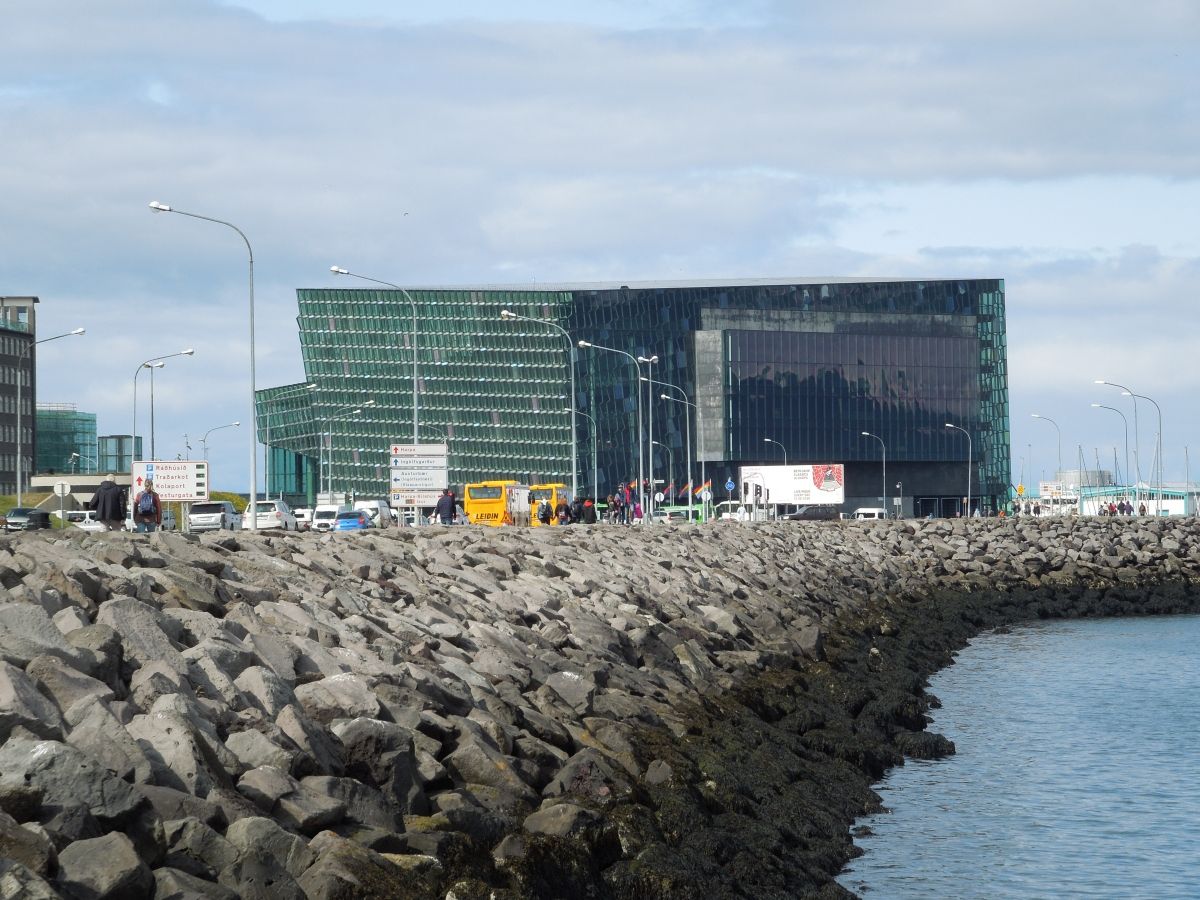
<point>172,884</point>
<point>106,867</point>
<point>289,802</point>
<point>22,706</point>
<point>156,679</point>
<point>590,777</point>
<point>259,836</point>
<point>26,631</point>
<point>197,849</point>
<point>321,753</point>
<point>98,733</point>
<point>63,684</point>
<point>364,804</point>
<point>18,882</point>
<point>69,619</point>
<point>171,804</point>
<point>347,869</point>
<point>143,636</point>
<point>345,695</point>
<point>254,749</point>
<point>102,647</point>
<point>474,761</point>
<point>255,878</point>
<point>266,690</point>
<point>561,820</point>
<point>179,757</point>
<point>32,849</point>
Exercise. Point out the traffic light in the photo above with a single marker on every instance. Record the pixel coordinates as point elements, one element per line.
<point>745,489</point>
<point>758,492</point>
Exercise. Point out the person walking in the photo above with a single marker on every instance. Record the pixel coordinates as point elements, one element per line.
<point>589,511</point>
<point>147,509</point>
<point>444,509</point>
<point>110,503</point>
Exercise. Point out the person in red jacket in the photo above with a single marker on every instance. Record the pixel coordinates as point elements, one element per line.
<point>147,510</point>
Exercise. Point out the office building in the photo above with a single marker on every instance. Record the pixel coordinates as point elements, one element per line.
<point>807,364</point>
<point>66,439</point>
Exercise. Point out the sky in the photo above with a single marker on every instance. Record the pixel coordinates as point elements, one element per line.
<point>1054,145</point>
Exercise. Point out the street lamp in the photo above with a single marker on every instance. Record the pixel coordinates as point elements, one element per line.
<point>338,270</point>
<point>900,493</point>
<point>650,361</point>
<point>25,351</point>
<point>595,441</point>
<point>204,440</point>
<point>148,364</point>
<point>342,414</point>
<point>1058,474</point>
<point>1128,474</point>
<point>509,316</point>
<point>163,207</point>
<point>781,447</point>
<point>1137,453</point>
<point>637,383</point>
<point>969,446</point>
<point>152,367</point>
<point>700,436</point>
<point>75,456</point>
<point>1157,450</point>
<point>883,447</point>
<point>670,462</point>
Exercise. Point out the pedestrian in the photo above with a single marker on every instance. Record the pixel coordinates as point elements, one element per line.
<point>589,511</point>
<point>1141,509</point>
<point>637,512</point>
<point>545,514</point>
<point>110,503</point>
<point>147,509</point>
<point>562,512</point>
<point>576,510</point>
<point>444,509</point>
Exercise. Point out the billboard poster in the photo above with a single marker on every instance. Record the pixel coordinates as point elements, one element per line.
<point>819,484</point>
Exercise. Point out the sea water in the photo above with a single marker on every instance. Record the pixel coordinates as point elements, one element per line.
<point>1077,772</point>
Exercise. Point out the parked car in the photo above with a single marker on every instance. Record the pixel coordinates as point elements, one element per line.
<point>213,515</point>
<point>813,514</point>
<point>324,515</point>
<point>303,519</point>
<point>379,511</point>
<point>17,518</point>
<point>869,512</point>
<point>352,520</point>
<point>269,514</point>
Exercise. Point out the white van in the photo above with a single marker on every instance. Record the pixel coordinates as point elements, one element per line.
<point>379,511</point>
<point>869,512</point>
<point>323,515</point>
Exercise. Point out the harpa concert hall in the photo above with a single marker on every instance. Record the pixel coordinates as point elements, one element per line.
<point>759,372</point>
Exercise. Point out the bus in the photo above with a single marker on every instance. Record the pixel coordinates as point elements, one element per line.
<point>496,503</point>
<point>552,494</point>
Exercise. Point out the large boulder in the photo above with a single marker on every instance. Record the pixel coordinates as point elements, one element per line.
<point>23,706</point>
<point>105,868</point>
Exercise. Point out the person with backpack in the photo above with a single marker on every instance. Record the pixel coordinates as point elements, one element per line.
<point>147,510</point>
<point>544,513</point>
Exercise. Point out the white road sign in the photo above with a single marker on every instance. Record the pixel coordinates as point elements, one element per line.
<point>418,469</point>
<point>415,498</point>
<point>177,480</point>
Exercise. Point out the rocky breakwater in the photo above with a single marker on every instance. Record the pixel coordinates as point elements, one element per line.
<point>470,713</point>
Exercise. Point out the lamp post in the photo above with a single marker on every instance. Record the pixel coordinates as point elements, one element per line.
<point>900,492</point>
<point>163,207</point>
<point>338,270</point>
<point>650,361</point>
<point>1128,474</point>
<point>204,440</point>
<point>883,447</point>
<point>1157,451</point>
<point>152,367</point>
<point>637,383</point>
<point>688,430</point>
<point>148,364</point>
<point>670,461</point>
<point>969,447</point>
<point>75,457</point>
<point>700,437</point>
<point>1058,474</point>
<point>781,447</point>
<point>1137,446</point>
<point>25,351</point>
<point>595,441</point>
<point>509,316</point>
<point>343,414</point>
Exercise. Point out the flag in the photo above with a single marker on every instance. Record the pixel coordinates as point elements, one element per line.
<point>683,491</point>
<point>707,484</point>
<point>669,489</point>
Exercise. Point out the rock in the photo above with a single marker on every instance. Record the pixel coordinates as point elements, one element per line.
<point>18,882</point>
<point>102,646</point>
<point>143,636</point>
<point>266,690</point>
<point>340,696</point>
<point>475,761</point>
<point>264,837</point>
<point>179,757</point>
<point>590,777</point>
<point>171,804</point>
<point>197,849</point>
<point>64,685</point>
<point>346,870</point>
<point>561,820</point>
<point>26,631</point>
<point>322,753</point>
<point>22,706</point>
<point>293,805</point>
<point>98,733</point>
<point>253,878</point>
<point>364,804</point>
<point>172,884</point>
<point>255,749</point>
<point>30,848</point>
<point>106,868</point>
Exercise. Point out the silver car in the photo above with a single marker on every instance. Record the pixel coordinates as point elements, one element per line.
<point>269,514</point>
<point>213,515</point>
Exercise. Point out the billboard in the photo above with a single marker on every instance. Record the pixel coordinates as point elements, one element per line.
<point>819,484</point>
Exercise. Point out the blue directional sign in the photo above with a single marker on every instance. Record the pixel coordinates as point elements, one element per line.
<point>729,485</point>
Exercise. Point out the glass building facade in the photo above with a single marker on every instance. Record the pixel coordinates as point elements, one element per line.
<point>807,365</point>
<point>66,439</point>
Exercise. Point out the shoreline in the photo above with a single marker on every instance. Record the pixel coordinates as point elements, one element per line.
<point>577,712</point>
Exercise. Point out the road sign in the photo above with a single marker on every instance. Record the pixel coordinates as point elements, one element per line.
<point>1020,490</point>
<point>62,488</point>
<point>706,495</point>
<point>417,472</point>
<point>177,480</point>
<point>729,485</point>
<point>658,496</point>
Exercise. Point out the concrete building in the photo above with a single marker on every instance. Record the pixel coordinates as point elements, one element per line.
<point>18,366</point>
<point>808,364</point>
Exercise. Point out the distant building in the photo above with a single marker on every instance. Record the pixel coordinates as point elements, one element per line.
<point>66,439</point>
<point>808,364</point>
<point>116,453</point>
<point>18,373</point>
